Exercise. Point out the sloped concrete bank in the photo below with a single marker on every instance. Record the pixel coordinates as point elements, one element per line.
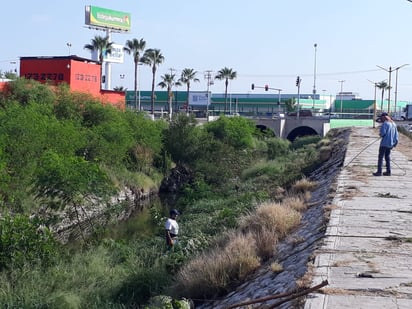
<point>296,251</point>
<point>73,226</point>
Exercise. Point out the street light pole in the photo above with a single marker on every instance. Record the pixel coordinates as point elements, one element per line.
<point>389,85</point>
<point>374,103</point>
<point>69,45</point>
<point>314,78</point>
<point>208,77</point>
<point>138,85</point>
<point>279,100</point>
<point>396,83</point>
<point>298,81</point>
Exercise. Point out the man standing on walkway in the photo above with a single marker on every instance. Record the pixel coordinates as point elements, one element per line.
<point>389,139</point>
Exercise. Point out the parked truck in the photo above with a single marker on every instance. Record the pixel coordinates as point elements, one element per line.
<point>408,112</point>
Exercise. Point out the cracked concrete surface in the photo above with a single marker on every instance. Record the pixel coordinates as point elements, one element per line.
<point>366,253</point>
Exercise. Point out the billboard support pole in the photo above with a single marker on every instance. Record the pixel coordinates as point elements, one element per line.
<point>108,65</point>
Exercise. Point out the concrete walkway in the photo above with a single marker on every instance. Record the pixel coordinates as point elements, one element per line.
<point>366,254</point>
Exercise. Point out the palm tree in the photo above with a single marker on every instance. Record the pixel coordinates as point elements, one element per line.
<point>187,76</point>
<point>153,57</point>
<point>101,45</point>
<point>226,74</point>
<point>383,85</point>
<point>135,47</point>
<point>119,88</point>
<point>168,81</point>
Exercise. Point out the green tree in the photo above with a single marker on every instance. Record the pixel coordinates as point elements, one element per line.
<point>188,76</point>
<point>153,57</point>
<point>169,81</point>
<point>383,85</point>
<point>226,74</point>
<point>145,153</point>
<point>26,91</point>
<point>235,131</point>
<point>181,139</point>
<point>109,136</point>
<point>135,47</point>
<point>70,181</point>
<point>101,45</point>
<point>290,104</point>
<point>69,105</point>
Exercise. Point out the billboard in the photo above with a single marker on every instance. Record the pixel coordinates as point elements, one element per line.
<point>199,98</point>
<point>105,18</point>
<point>116,56</point>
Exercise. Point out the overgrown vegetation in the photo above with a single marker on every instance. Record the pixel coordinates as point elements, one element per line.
<point>63,152</point>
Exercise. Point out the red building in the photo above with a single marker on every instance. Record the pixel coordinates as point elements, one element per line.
<point>81,74</point>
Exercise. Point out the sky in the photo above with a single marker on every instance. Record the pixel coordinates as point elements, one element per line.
<point>266,42</point>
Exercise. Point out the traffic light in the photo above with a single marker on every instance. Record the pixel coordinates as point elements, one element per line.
<point>253,86</point>
<point>297,81</point>
<point>266,87</point>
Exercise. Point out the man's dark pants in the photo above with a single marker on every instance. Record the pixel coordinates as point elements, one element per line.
<point>384,152</point>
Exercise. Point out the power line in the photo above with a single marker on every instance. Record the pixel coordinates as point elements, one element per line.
<point>309,74</point>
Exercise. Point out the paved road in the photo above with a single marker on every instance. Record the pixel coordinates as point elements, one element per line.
<point>366,254</point>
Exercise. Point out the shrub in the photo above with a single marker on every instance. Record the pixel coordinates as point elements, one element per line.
<point>276,267</point>
<point>294,202</point>
<point>141,285</point>
<point>303,141</point>
<point>266,241</point>
<point>271,168</point>
<point>25,241</point>
<point>213,273</point>
<point>272,217</point>
<point>277,147</point>
<point>303,185</point>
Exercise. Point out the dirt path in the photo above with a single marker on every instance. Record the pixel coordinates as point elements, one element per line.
<point>405,146</point>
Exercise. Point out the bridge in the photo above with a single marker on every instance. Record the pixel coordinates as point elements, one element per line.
<point>291,127</point>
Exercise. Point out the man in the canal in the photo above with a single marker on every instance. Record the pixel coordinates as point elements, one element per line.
<point>172,228</point>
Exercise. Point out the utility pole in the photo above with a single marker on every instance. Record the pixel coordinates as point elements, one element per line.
<point>396,83</point>
<point>341,93</point>
<point>374,102</point>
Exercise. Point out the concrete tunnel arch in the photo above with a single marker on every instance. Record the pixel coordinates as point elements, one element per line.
<point>269,131</point>
<point>301,131</point>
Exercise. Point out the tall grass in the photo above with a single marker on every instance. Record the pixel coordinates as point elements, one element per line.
<point>108,276</point>
<point>239,253</point>
<point>273,217</point>
<point>215,271</point>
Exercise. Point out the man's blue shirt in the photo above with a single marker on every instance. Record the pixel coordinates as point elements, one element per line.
<point>389,134</point>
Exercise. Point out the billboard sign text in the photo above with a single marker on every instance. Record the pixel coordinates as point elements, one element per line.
<point>105,18</point>
<point>198,98</point>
